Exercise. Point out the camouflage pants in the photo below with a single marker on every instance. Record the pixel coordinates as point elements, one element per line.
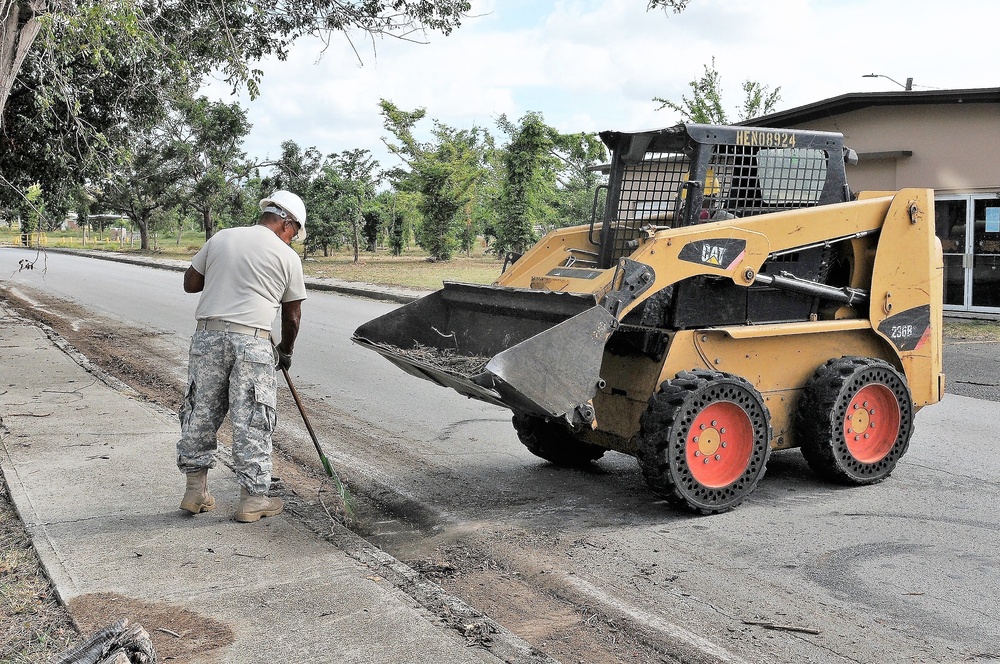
<point>235,373</point>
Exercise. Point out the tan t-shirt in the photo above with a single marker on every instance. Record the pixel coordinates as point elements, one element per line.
<point>248,272</point>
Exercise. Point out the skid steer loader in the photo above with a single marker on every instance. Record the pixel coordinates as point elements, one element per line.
<point>730,296</point>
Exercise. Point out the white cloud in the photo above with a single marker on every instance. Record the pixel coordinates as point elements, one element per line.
<point>589,65</point>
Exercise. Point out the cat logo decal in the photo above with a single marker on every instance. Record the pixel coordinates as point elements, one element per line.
<point>721,253</point>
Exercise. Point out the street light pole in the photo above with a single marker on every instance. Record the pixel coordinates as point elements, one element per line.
<point>909,82</point>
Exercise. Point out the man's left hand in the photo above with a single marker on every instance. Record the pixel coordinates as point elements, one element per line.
<point>284,360</point>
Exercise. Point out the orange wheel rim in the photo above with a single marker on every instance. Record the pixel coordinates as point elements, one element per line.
<point>719,444</point>
<point>871,424</point>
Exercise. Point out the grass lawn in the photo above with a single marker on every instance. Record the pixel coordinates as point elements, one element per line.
<point>973,330</point>
<point>410,270</point>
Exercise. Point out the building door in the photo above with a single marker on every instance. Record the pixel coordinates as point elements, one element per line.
<point>969,229</point>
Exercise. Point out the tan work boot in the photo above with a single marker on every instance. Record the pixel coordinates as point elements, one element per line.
<point>196,496</point>
<point>251,508</point>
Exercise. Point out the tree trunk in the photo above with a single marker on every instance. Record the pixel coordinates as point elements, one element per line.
<point>357,222</point>
<point>19,21</point>
<point>143,223</point>
<point>206,221</point>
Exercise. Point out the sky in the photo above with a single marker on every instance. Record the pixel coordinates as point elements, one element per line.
<point>592,65</point>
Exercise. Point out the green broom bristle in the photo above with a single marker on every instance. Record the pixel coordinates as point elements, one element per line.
<point>345,495</point>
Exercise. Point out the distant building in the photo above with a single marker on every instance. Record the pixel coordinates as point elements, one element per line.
<point>948,140</point>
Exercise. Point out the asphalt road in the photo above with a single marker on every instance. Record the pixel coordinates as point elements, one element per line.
<point>972,368</point>
<point>906,570</point>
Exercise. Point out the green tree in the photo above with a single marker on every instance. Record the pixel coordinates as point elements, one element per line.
<point>758,100</point>
<point>295,170</point>
<point>62,28</point>
<point>444,172</point>
<point>399,212</point>
<point>342,196</point>
<point>576,176</point>
<point>547,181</point>
<point>82,202</point>
<point>143,183</point>
<point>225,34</point>
<point>330,211</point>
<point>360,179</point>
<point>527,163</point>
<point>448,179</point>
<point>206,141</point>
<point>371,225</point>
<point>705,104</point>
<point>397,232</point>
<point>86,72</point>
<point>486,202</point>
<point>84,127</point>
<point>438,205</point>
<point>30,211</point>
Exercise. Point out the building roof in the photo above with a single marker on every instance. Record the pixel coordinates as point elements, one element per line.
<point>853,101</point>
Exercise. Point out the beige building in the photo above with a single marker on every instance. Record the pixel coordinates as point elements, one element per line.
<point>948,140</point>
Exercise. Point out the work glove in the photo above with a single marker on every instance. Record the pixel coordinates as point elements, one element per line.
<point>284,360</point>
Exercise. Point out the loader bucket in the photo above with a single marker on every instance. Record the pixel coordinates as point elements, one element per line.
<point>532,351</point>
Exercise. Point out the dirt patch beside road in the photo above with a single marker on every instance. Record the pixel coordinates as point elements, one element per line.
<point>493,572</point>
<point>177,633</point>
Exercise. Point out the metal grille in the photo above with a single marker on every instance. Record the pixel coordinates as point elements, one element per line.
<point>744,181</point>
<point>740,181</point>
<point>649,192</point>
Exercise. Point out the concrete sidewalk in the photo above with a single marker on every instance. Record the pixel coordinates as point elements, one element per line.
<point>91,472</point>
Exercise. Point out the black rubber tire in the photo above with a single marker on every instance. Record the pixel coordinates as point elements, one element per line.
<point>554,442</point>
<point>822,414</point>
<point>664,445</point>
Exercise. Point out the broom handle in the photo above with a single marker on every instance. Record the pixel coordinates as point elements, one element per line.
<point>305,419</point>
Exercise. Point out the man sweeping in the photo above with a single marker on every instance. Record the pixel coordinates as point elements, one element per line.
<point>245,275</point>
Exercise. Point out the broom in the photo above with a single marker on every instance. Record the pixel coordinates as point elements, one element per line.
<point>341,488</point>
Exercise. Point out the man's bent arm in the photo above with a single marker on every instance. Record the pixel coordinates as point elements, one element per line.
<point>291,316</point>
<point>194,281</point>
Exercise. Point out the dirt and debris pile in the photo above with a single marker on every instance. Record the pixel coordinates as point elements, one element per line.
<point>445,359</point>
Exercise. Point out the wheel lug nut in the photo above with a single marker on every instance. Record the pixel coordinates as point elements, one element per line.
<point>703,427</point>
<point>866,404</point>
<point>722,430</point>
<point>856,437</point>
<point>873,425</point>
<point>872,411</point>
<point>867,436</point>
<point>718,456</point>
<point>724,444</point>
<point>856,406</point>
<point>697,453</point>
<point>706,459</point>
<point>714,423</point>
